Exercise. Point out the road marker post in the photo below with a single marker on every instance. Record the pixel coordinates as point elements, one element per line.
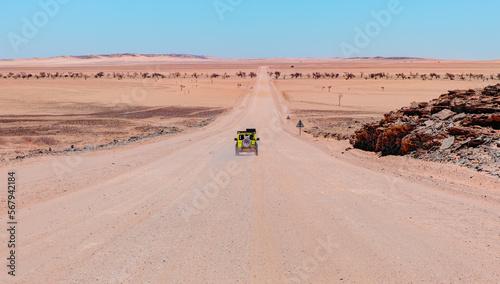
<point>300,125</point>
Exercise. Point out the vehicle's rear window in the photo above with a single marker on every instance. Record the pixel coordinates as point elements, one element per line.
<point>242,136</point>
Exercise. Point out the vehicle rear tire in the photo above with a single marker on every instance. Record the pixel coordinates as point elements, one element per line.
<point>256,152</point>
<point>236,152</point>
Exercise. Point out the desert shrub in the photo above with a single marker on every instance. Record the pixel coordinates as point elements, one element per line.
<point>3,141</point>
<point>26,139</point>
<point>45,140</point>
<point>450,76</point>
<point>159,75</point>
<point>348,75</point>
<point>316,75</point>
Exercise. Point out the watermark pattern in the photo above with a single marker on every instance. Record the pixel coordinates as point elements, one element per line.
<point>372,29</point>
<point>223,6</point>
<point>139,94</point>
<point>66,166</point>
<point>11,222</point>
<point>309,265</point>
<point>40,19</point>
<point>136,96</point>
<point>219,182</point>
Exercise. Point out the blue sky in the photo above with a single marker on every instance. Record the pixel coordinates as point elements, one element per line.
<point>460,29</point>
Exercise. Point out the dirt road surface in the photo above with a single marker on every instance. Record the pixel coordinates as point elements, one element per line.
<point>187,210</point>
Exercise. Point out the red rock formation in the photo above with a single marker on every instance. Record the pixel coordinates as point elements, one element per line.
<point>471,116</point>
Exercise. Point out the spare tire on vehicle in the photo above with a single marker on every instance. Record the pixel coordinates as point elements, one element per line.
<point>246,142</point>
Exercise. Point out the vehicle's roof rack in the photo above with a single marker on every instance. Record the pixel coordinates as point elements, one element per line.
<point>249,130</point>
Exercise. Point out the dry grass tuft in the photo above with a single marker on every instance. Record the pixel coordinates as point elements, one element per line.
<point>45,140</point>
<point>27,140</point>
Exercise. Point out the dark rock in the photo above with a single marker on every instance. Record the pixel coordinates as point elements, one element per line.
<point>429,123</point>
<point>486,120</point>
<point>443,115</point>
<point>459,116</point>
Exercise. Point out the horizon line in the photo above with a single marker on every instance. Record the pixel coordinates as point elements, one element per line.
<point>205,57</point>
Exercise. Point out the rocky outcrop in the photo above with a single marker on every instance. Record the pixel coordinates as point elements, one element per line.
<point>438,129</point>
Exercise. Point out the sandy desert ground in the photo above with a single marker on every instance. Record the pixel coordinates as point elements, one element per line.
<point>366,100</point>
<point>184,209</point>
<point>57,113</point>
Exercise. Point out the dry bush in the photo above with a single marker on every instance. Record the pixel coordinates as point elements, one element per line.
<point>45,140</point>
<point>26,140</point>
<point>3,141</point>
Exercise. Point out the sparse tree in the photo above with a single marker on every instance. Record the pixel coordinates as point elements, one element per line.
<point>450,76</point>
<point>340,95</point>
<point>348,75</point>
<point>158,76</point>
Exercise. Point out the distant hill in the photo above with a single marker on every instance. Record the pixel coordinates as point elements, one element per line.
<point>124,55</point>
<point>390,58</point>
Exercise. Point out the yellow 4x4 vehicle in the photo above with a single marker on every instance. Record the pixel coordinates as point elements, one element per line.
<point>246,141</point>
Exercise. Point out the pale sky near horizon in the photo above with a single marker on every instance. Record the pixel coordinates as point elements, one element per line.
<point>460,29</point>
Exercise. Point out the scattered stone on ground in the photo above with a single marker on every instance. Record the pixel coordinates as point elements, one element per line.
<point>335,129</point>
<point>204,122</point>
<point>115,142</point>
